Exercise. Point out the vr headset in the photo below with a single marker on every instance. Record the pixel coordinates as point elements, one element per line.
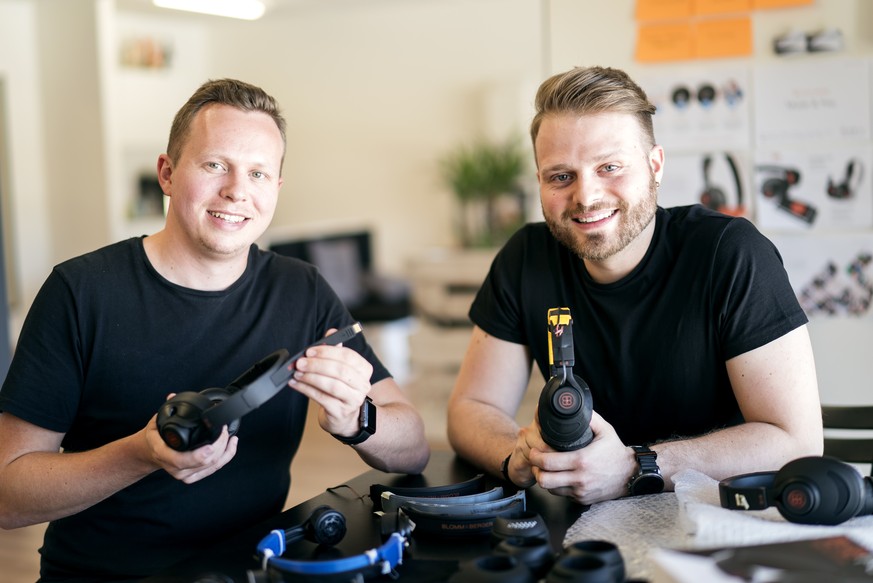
<point>809,490</point>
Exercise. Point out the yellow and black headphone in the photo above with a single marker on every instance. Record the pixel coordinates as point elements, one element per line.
<point>565,404</point>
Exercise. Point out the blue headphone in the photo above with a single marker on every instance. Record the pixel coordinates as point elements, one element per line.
<point>326,526</point>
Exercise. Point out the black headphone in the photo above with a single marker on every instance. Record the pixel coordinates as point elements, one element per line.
<point>326,526</point>
<point>565,404</point>
<point>809,490</point>
<point>846,188</point>
<point>190,419</point>
<point>713,196</point>
<point>776,188</point>
<point>466,509</point>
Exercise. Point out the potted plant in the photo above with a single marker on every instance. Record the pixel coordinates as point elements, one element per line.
<point>485,177</point>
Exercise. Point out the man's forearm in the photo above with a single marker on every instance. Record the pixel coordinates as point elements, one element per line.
<point>753,446</point>
<point>482,434</point>
<point>399,444</point>
<point>42,486</point>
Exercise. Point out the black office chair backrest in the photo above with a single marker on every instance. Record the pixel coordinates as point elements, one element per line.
<point>842,444</point>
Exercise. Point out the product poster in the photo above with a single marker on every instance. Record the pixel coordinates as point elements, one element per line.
<point>817,189</point>
<point>700,108</point>
<point>812,100</point>
<point>718,180</point>
<point>832,275</point>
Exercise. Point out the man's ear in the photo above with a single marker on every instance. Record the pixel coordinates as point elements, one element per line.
<point>656,161</point>
<point>165,174</point>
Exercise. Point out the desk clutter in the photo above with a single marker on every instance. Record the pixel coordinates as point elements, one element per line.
<point>521,549</point>
<point>692,519</point>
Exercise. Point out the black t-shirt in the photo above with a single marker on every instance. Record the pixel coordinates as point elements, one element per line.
<point>653,345</point>
<point>107,339</point>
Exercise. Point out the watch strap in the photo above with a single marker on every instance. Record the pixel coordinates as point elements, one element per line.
<point>366,423</point>
<point>647,459</point>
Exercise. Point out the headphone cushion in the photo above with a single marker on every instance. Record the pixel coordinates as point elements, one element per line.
<point>564,413</point>
<point>179,419</point>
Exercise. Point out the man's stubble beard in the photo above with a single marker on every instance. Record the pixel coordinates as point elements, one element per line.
<point>598,246</point>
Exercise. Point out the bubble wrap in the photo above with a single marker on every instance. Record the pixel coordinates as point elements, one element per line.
<point>692,517</point>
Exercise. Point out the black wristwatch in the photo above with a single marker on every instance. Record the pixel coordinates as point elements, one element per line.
<point>367,424</point>
<point>648,480</point>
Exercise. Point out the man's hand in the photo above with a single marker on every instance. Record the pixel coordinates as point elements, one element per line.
<point>338,379</point>
<point>594,473</point>
<point>189,466</point>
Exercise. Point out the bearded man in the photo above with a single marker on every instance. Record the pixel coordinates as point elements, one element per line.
<point>686,328</point>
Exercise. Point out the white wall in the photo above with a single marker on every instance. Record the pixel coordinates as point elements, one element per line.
<point>29,235</point>
<point>375,92</point>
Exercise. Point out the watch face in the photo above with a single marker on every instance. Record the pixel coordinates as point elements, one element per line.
<point>647,484</point>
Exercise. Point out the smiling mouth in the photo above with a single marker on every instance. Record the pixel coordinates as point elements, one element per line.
<point>227,218</point>
<point>594,218</point>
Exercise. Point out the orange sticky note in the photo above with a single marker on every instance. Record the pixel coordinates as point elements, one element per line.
<point>764,4</point>
<point>664,42</point>
<point>648,10</point>
<point>713,7</point>
<point>729,37</point>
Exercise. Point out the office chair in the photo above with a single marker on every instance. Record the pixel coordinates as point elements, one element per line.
<point>844,445</point>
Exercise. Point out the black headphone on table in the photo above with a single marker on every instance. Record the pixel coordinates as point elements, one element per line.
<point>809,490</point>
<point>466,509</point>
<point>713,196</point>
<point>191,419</point>
<point>565,405</point>
<point>327,527</point>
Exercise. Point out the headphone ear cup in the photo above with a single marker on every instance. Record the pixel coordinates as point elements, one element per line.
<point>179,421</point>
<point>217,396</point>
<point>325,526</point>
<point>713,198</point>
<point>564,413</point>
<point>819,490</point>
<point>775,188</point>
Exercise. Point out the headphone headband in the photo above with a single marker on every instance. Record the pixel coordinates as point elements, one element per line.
<point>474,485</point>
<point>264,379</point>
<point>391,502</point>
<point>747,492</point>
<point>191,419</point>
<point>456,510</point>
<point>379,561</point>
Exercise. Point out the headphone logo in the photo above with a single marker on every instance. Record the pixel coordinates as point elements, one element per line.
<point>565,404</point>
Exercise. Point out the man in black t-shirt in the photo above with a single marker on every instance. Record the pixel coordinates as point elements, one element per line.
<point>191,307</point>
<point>685,326</point>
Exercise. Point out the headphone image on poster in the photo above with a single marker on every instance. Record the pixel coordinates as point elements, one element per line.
<point>776,188</point>
<point>714,196</point>
<point>850,182</point>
